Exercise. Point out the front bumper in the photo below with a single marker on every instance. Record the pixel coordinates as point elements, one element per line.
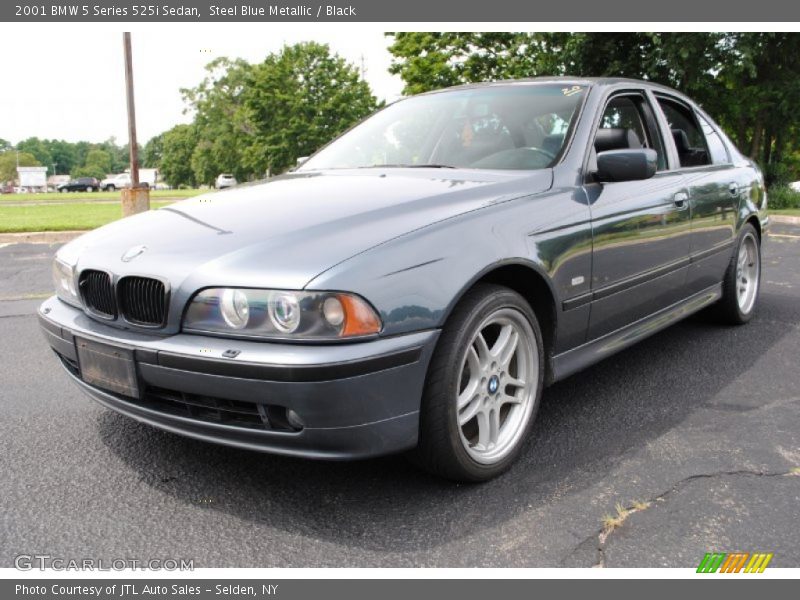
<point>355,400</point>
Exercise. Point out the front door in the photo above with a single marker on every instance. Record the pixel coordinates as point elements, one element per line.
<point>640,229</point>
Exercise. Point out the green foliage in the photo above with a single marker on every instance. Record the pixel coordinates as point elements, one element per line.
<point>431,60</point>
<point>4,145</point>
<point>297,101</point>
<point>178,146</point>
<point>220,124</point>
<point>8,164</point>
<point>73,157</point>
<point>782,197</point>
<point>152,152</point>
<point>254,119</point>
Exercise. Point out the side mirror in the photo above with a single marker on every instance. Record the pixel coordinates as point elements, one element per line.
<point>626,164</point>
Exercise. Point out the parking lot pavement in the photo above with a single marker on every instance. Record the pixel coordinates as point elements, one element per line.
<point>694,434</point>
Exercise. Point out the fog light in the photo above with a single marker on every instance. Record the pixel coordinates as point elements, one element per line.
<point>294,419</point>
<point>234,308</point>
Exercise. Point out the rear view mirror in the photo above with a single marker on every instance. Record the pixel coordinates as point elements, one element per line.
<point>626,165</point>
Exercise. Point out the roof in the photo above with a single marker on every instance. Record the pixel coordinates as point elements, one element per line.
<point>565,80</point>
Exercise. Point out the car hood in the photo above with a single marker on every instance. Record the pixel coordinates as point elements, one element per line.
<point>282,233</point>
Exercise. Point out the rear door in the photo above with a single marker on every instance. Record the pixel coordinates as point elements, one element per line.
<point>640,229</point>
<point>714,190</point>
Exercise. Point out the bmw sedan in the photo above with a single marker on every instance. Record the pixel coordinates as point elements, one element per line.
<point>418,282</point>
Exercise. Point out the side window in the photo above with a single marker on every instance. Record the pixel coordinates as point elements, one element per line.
<point>627,123</point>
<point>716,147</point>
<point>690,141</point>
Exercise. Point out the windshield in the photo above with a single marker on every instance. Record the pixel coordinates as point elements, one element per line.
<point>519,126</point>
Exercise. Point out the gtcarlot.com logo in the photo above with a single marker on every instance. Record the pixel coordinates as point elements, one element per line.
<point>734,562</point>
<point>43,562</point>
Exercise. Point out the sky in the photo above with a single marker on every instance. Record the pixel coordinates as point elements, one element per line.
<point>68,82</point>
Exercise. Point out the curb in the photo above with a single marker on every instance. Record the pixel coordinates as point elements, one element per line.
<point>39,237</point>
<point>786,219</point>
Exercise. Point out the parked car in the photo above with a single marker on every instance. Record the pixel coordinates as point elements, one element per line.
<point>116,182</point>
<point>418,282</point>
<point>6,189</point>
<point>81,184</point>
<point>225,180</point>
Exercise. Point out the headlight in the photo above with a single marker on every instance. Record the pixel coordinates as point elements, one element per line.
<point>64,282</point>
<point>280,314</point>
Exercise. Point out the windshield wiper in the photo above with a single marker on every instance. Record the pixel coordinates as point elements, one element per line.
<point>404,166</point>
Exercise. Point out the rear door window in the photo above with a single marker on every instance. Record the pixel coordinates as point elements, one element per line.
<point>716,147</point>
<point>689,139</point>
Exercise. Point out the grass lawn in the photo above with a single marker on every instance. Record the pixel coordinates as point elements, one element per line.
<point>85,196</point>
<point>792,212</point>
<point>60,217</point>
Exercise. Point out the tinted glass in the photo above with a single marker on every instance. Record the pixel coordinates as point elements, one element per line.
<point>716,148</point>
<point>627,112</point>
<point>504,127</point>
<point>690,142</point>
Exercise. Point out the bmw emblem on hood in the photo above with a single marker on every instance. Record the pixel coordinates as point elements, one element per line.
<point>132,253</point>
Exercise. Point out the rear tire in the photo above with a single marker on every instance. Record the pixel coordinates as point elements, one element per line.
<point>483,387</point>
<point>742,281</point>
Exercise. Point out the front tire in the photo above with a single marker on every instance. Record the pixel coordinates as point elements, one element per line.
<point>742,281</point>
<point>483,387</point>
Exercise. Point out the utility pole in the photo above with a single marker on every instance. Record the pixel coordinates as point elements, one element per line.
<point>135,199</point>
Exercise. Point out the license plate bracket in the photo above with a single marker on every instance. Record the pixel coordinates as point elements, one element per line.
<point>108,367</point>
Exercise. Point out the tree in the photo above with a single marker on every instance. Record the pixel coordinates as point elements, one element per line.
<point>8,164</point>
<point>98,164</point>
<point>4,145</point>
<point>298,100</point>
<point>430,60</point>
<point>254,119</point>
<point>179,144</point>
<point>63,154</point>
<point>152,152</point>
<point>220,122</point>
<point>39,149</point>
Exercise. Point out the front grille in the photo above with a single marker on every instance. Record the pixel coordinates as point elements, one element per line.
<point>142,300</point>
<point>98,293</point>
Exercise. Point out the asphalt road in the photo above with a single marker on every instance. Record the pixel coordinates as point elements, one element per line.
<point>698,427</point>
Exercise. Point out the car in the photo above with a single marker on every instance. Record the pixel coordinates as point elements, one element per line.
<point>417,283</point>
<point>81,184</point>
<point>116,182</point>
<point>225,180</point>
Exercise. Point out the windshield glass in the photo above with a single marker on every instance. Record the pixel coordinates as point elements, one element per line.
<point>520,126</point>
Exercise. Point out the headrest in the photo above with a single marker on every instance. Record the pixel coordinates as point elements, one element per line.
<point>615,138</point>
<point>681,141</point>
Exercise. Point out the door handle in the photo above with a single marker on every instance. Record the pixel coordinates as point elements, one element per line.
<point>680,199</point>
<point>733,188</point>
